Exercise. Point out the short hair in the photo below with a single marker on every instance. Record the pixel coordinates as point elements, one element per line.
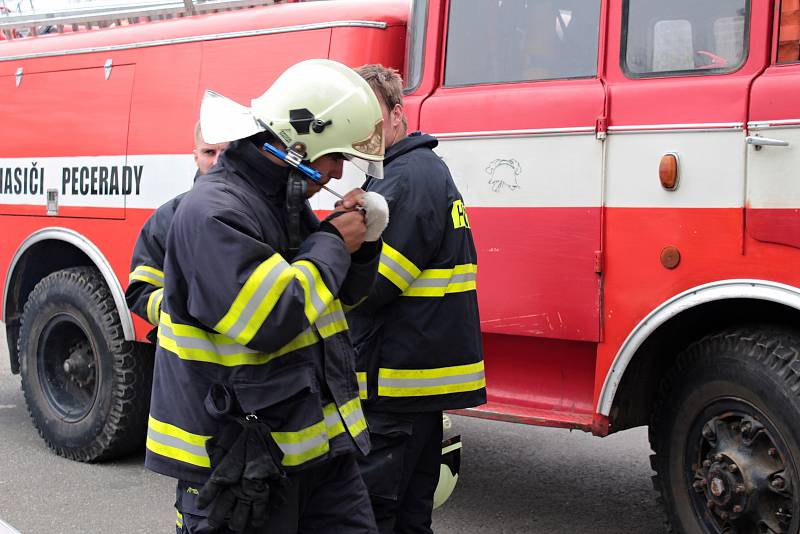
<point>198,134</point>
<point>385,81</point>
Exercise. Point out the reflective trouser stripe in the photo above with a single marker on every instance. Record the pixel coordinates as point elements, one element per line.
<point>191,343</point>
<point>421,382</point>
<point>154,305</point>
<point>146,274</point>
<point>256,299</point>
<point>362,384</point>
<point>439,282</point>
<point>178,444</point>
<point>179,521</point>
<point>332,321</point>
<point>395,267</point>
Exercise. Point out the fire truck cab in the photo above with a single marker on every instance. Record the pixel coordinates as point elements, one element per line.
<point>630,172</point>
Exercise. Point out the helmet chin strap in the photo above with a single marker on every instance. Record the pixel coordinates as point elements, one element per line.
<point>296,188</point>
<point>295,160</point>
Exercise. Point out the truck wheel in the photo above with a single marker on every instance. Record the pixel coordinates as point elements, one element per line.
<point>87,389</point>
<point>726,436</point>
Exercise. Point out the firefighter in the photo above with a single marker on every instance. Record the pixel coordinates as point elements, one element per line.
<point>417,335</point>
<point>255,406</point>
<point>146,280</point>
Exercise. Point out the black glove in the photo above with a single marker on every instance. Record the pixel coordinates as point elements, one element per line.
<point>246,481</point>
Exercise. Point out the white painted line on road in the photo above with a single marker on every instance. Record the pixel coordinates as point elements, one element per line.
<point>7,406</point>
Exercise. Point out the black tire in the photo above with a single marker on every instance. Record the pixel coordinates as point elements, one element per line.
<point>726,434</point>
<point>87,389</point>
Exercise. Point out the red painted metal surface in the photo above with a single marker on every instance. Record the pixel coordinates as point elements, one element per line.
<point>780,226</point>
<point>553,325</point>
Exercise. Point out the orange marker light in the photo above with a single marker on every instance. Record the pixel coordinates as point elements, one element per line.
<point>668,171</point>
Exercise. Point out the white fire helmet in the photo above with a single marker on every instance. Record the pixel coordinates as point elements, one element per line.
<point>315,107</point>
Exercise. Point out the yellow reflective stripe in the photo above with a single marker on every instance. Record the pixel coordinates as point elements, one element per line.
<point>332,321</point>
<point>395,267</point>
<point>179,520</point>
<point>303,445</point>
<point>178,444</point>
<point>149,275</point>
<point>439,282</point>
<point>353,416</point>
<point>362,384</point>
<point>317,295</point>
<point>256,299</point>
<point>191,343</point>
<point>333,421</point>
<point>421,382</point>
<point>154,305</point>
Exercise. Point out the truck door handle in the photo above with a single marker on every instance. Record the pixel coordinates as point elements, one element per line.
<point>759,142</point>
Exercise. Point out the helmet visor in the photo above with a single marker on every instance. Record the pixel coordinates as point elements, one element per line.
<point>370,168</point>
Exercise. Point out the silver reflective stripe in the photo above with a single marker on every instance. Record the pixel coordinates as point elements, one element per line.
<point>332,418</point>
<point>222,349</point>
<point>305,445</point>
<point>139,271</point>
<point>176,443</point>
<point>354,418</point>
<point>444,282</point>
<point>398,269</point>
<point>316,300</point>
<point>252,305</point>
<point>330,318</point>
<point>155,305</point>
<point>427,382</point>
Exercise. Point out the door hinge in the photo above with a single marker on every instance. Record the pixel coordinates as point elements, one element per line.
<point>598,261</point>
<point>601,127</point>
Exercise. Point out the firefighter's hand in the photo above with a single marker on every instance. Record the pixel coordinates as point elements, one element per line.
<point>351,226</point>
<point>351,201</point>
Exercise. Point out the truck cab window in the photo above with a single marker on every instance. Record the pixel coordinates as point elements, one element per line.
<point>789,32</point>
<point>490,41</point>
<point>684,37</point>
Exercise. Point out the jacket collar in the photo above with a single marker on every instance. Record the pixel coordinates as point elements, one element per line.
<point>411,142</point>
<point>250,164</point>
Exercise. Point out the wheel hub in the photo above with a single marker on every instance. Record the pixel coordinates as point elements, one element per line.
<point>742,481</point>
<point>79,367</point>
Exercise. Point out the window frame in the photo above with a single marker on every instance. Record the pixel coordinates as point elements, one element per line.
<point>445,47</point>
<point>623,50</point>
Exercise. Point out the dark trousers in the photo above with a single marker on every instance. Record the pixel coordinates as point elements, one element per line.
<point>402,470</point>
<point>327,499</point>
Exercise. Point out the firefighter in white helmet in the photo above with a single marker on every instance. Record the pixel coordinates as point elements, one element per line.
<point>255,406</point>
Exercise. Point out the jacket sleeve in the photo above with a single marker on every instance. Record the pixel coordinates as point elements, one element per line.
<point>241,287</point>
<point>146,279</point>
<point>362,274</point>
<point>414,234</point>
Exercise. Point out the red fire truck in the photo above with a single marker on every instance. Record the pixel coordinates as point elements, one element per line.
<point>631,174</point>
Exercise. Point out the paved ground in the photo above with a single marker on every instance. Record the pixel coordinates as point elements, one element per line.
<point>516,479</point>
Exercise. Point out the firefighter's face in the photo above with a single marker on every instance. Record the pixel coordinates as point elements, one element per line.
<point>206,156</point>
<point>330,166</point>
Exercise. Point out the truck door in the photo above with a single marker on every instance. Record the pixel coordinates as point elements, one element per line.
<point>678,88</point>
<point>773,154</point>
<point>516,117</point>
<point>64,137</point>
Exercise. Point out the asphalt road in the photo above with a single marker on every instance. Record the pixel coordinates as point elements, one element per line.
<point>515,479</point>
